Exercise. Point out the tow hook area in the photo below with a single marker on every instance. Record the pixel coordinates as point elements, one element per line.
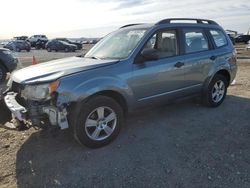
<point>57,117</point>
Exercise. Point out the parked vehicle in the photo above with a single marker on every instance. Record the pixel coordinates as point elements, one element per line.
<point>21,38</point>
<point>78,44</point>
<point>18,45</point>
<point>40,45</point>
<point>4,42</point>
<point>231,38</point>
<point>243,38</point>
<point>58,45</point>
<point>136,66</point>
<point>37,38</point>
<point>248,46</point>
<point>8,63</point>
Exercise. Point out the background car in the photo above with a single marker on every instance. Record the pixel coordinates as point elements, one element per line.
<point>40,45</point>
<point>58,45</point>
<point>18,45</point>
<point>248,46</point>
<point>78,44</point>
<point>36,38</point>
<point>21,38</point>
<point>231,38</point>
<point>7,63</point>
<point>4,42</point>
<point>242,38</point>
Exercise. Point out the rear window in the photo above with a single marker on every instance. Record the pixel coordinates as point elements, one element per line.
<point>219,38</point>
<point>195,40</point>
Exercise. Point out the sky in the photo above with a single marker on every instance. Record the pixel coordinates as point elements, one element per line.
<point>96,18</point>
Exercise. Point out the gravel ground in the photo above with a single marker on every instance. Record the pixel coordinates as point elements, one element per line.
<point>179,145</point>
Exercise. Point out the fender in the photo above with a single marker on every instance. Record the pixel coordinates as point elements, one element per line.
<point>214,70</point>
<point>90,87</point>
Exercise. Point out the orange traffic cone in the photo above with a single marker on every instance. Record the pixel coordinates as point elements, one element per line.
<point>34,60</point>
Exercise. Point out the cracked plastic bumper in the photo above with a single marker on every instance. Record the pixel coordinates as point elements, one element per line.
<point>17,110</point>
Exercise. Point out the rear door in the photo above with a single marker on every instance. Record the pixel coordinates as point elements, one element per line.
<point>197,58</point>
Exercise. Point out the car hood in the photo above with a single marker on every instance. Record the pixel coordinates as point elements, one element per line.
<point>53,70</point>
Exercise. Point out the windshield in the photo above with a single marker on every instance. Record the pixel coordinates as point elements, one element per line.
<point>117,45</point>
<point>66,43</point>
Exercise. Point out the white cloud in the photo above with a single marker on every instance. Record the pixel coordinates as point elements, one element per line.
<point>77,18</point>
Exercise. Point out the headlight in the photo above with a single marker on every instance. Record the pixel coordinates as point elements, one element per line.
<point>40,92</point>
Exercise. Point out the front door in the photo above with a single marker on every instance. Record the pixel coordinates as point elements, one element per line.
<point>161,78</point>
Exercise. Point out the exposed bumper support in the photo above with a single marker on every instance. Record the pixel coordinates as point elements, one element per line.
<point>17,110</point>
<point>55,116</point>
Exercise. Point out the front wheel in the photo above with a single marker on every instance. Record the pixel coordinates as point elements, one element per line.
<point>97,122</point>
<point>216,92</point>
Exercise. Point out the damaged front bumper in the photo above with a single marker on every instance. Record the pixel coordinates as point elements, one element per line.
<point>34,112</point>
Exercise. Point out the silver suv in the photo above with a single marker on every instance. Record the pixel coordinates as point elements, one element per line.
<point>37,38</point>
<point>135,66</point>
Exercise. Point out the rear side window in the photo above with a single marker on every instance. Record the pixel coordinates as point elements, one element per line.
<point>219,38</point>
<point>195,41</point>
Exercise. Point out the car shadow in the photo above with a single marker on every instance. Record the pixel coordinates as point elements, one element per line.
<point>180,145</point>
<point>5,113</point>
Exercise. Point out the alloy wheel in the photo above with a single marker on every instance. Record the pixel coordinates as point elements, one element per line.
<point>100,123</point>
<point>218,91</point>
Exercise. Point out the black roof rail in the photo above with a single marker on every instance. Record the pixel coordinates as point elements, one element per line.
<point>130,25</point>
<point>198,21</point>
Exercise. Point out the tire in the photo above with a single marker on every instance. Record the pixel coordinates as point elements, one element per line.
<point>100,131</point>
<point>49,49</point>
<point>66,50</point>
<point>3,73</point>
<point>28,50</point>
<point>216,91</point>
<point>18,49</point>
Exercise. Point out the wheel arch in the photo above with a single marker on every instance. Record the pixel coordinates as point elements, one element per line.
<point>224,73</point>
<point>118,97</point>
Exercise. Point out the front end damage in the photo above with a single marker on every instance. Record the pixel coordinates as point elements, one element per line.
<point>34,112</point>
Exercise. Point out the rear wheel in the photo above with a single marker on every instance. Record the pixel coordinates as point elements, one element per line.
<point>216,92</point>
<point>97,121</point>
<point>66,49</point>
<point>3,73</point>
<point>18,49</point>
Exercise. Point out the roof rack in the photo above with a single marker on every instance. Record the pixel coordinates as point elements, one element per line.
<point>198,21</point>
<point>130,25</point>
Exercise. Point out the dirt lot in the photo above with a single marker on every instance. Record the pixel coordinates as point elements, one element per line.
<point>179,145</point>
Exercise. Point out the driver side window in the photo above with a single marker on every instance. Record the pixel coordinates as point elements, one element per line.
<point>164,44</point>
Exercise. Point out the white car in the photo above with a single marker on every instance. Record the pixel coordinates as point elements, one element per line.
<point>248,45</point>
<point>36,38</point>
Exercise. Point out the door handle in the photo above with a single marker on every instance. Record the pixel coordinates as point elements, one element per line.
<point>179,64</point>
<point>213,57</point>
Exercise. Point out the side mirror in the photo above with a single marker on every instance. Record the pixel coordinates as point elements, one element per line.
<point>149,54</point>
